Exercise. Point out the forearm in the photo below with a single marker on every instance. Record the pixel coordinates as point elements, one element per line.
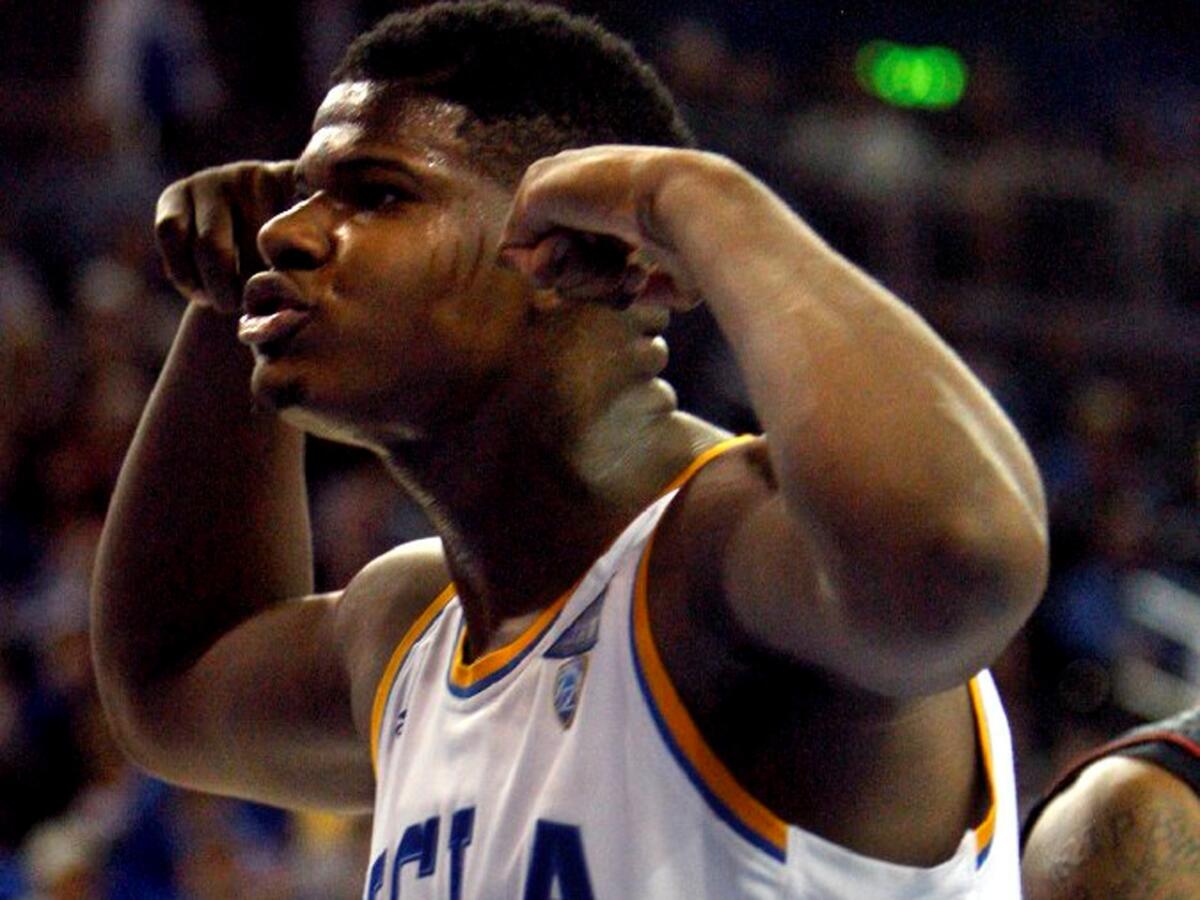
<point>882,439</point>
<point>208,522</point>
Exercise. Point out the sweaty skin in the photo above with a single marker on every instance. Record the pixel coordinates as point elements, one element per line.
<point>877,548</point>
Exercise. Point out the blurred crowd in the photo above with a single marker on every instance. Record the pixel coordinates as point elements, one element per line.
<point>1048,225</point>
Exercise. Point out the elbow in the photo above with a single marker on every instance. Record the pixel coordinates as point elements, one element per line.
<point>949,609</point>
<point>145,734</point>
<point>135,718</point>
<point>133,697</point>
<point>127,720</point>
<point>1006,548</point>
<point>984,567</point>
<point>976,590</point>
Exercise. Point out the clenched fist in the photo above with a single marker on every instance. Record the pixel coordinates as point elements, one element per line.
<point>584,223</point>
<point>207,228</point>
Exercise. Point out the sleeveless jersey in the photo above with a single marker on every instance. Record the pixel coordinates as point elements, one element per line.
<point>1172,744</point>
<point>565,766</point>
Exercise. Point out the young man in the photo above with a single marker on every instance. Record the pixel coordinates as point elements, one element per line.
<point>643,659</point>
<point>1123,821</point>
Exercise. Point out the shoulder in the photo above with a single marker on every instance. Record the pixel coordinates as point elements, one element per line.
<point>407,569</point>
<point>1124,828</point>
<point>378,607</point>
<point>714,502</point>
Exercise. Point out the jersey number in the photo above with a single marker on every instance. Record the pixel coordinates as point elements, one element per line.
<point>557,860</point>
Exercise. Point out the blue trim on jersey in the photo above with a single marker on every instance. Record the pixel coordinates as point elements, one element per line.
<point>982,856</point>
<point>581,635</point>
<point>475,687</point>
<point>723,812</point>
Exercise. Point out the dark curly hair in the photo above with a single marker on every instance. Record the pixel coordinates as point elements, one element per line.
<point>534,79</point>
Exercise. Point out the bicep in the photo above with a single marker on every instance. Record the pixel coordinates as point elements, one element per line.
<point>265,714</point>
<point>881,613</point>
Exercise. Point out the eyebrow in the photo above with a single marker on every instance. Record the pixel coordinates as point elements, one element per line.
<point>352,167</point>
<point>357,165</point>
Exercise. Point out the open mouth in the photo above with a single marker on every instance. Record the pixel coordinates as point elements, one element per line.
<point>267,332</point>
<point>275,312</point>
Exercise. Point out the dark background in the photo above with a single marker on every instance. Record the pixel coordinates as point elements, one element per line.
<point>1047,225</point>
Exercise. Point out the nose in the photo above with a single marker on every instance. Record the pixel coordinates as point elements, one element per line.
<point>297,238</point>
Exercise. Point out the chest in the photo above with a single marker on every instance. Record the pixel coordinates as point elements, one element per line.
<point>496,770</point>
<point>545,777</point>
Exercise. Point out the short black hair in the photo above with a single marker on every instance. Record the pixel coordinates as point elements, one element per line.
<point>535,80</point>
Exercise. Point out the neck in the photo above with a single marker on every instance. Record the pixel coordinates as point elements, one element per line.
<point>526,500</point>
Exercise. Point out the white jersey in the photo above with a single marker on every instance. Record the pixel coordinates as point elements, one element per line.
<point>565,766</point>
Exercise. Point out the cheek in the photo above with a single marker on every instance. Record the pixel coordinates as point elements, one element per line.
<point>428,287</point>
<point>480,297</point>
<point>462,247</point>
<point>400,270</point>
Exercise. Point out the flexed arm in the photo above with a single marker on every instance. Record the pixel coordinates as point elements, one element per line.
<point>907,539</point>
<point>206,539</point>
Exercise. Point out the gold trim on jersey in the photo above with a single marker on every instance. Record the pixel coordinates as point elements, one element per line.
<point>692,750</point>
<point>384,687</point>
<point>745,813</point>
<point>704,459</point>
<point>985,830</point>
<point>465,675</point>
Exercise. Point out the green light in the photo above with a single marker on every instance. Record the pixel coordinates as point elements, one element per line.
<point>923,77</point>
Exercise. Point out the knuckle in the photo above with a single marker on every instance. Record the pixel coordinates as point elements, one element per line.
<point>171,203</point>
<point>206,231</point>
<point>169,231</point>
<point>539,167</point>
<point>212,225</point>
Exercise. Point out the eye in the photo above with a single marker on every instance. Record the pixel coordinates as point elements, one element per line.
<point>373,196</point>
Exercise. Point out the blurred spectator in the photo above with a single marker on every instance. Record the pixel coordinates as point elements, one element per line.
<point>327,26</point>
<point>358,513</point>
<point>851,146</point>
<point>40,757</point>
<point>26,332</point>
<point>148,73</point>
<point>64,858</point>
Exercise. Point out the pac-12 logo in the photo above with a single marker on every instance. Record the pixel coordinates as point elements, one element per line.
<point>568,684</point>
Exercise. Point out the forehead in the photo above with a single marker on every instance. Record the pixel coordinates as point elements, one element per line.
<point>386,116</point>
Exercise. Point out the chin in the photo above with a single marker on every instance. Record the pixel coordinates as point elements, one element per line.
<point>323,414</point>
<point>275,400</point>
<point>322,426</point>
<point>272,389</point>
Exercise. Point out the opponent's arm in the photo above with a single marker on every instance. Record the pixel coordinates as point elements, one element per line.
<point>906,542</point>
<point>1126,828</point>
<point>211,674</point>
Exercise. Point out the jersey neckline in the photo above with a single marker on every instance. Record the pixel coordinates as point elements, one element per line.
<point>466,680</point>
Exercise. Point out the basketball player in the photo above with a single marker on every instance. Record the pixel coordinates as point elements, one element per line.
<point>1123,822</point>
<point>643,659</point>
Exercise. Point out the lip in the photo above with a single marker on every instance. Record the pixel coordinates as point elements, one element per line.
<point>271,328</point>
<point>268,292</point>
<point>275,310</point>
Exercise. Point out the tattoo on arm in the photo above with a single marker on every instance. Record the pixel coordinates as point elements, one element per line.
<point>1148,853</point>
